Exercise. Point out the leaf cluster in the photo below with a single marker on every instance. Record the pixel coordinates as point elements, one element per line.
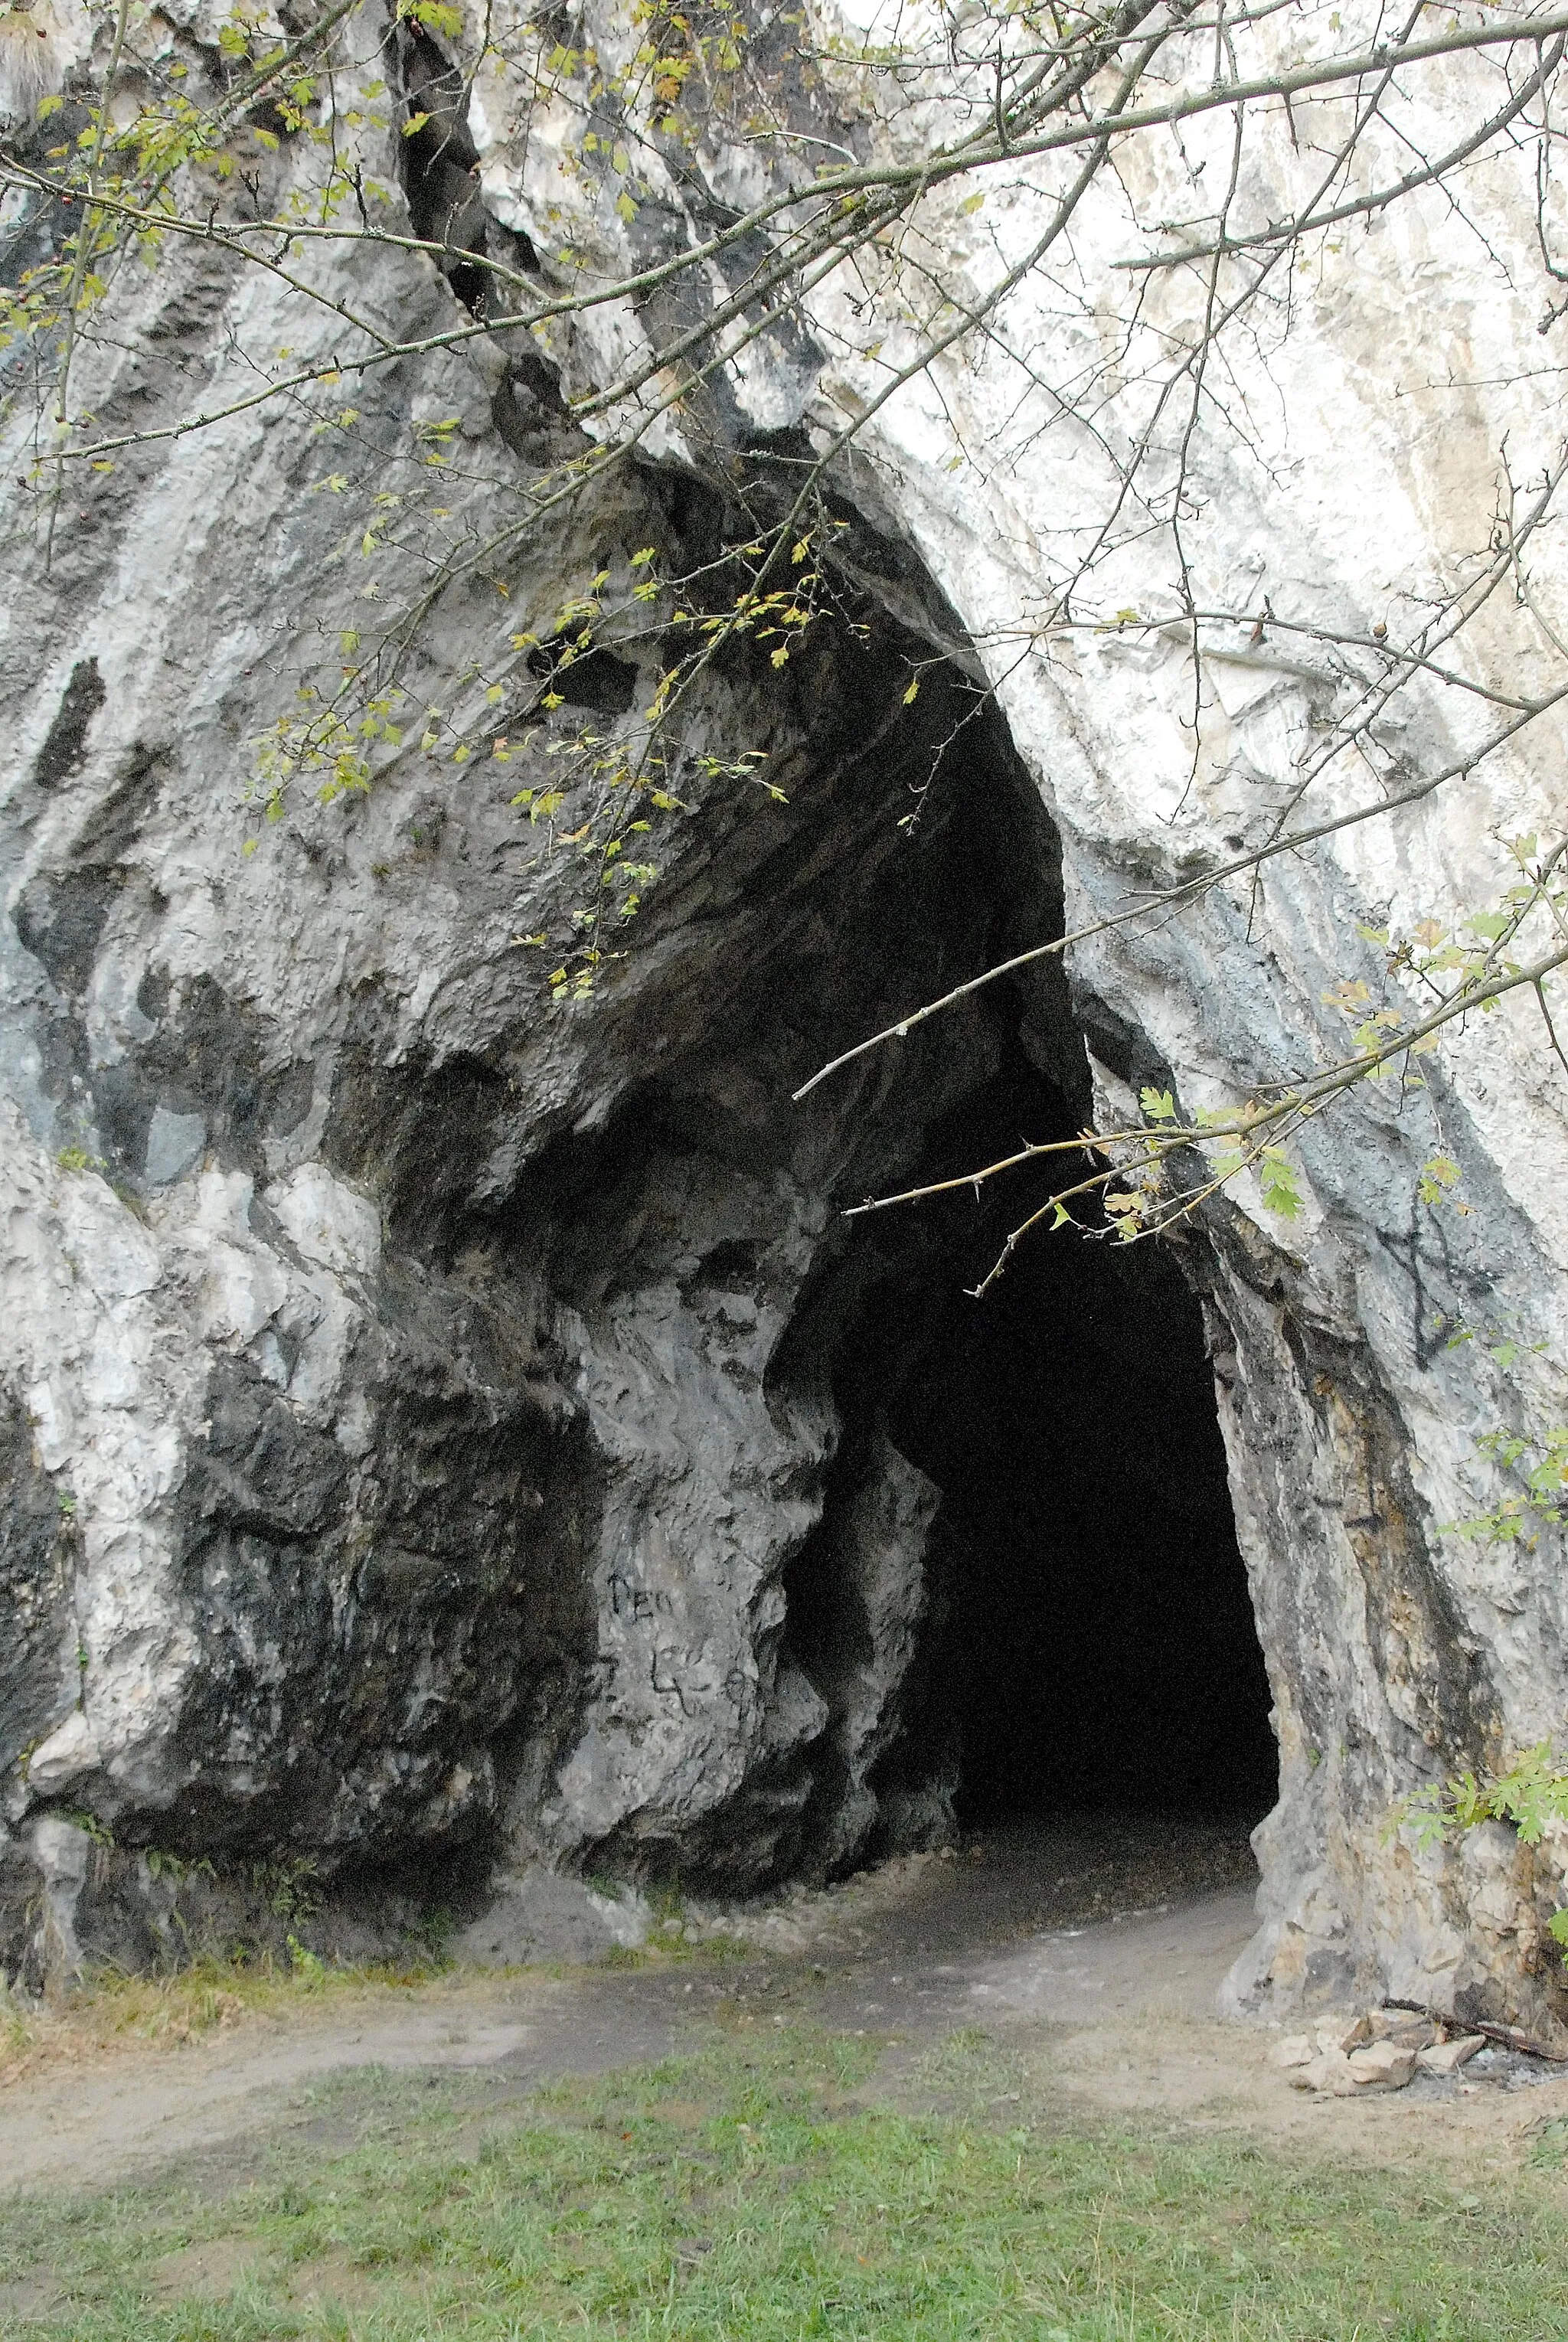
<point>1531,1795</point>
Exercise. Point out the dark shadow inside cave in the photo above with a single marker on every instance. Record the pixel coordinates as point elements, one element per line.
<point>1090,1641</point>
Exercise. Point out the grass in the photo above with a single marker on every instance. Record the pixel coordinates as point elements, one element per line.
<point>208,1995</point>
<point>213,1991</point>
<point>749,2194</point>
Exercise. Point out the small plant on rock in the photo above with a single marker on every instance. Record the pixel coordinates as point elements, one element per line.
<point>1532,1794</point>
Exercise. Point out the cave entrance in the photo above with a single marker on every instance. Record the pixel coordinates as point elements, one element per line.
<point>1022,1599</point>
<point>1088,1642</point>
<point>1087,1645</point>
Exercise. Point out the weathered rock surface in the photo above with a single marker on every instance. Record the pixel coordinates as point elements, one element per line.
<point>544,1916</point>
<point>417,1393</point>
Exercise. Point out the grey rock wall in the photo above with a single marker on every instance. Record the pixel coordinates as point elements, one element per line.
<point>409,1348</point>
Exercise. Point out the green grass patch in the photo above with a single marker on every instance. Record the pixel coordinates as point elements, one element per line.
<point>748,2194</point>
<point>108,2011</point>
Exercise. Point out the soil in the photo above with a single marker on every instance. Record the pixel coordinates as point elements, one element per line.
<point>1088,1952</point>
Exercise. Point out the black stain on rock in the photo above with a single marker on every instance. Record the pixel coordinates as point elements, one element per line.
<point>258,1469</point>
<point>60,920</point>
<point>64,748</point>
<point>61,913</point>
<point>417,1136</point>
<point>212,1055</point>
<point>38,1674</point>
<point>377,1632</point>
<point>1426,1660</point>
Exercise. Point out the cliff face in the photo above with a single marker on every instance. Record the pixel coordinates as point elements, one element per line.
<point>425,1396</point>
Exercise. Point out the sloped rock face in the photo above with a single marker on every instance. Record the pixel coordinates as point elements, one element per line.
<point>406,1348</point>
<point>420,1396</point>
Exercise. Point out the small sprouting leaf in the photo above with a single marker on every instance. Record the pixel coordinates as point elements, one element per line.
<point>1281,1188</point>
<point>1158,1104</point>
<point>434,13</point>
<point>1438,1172</point>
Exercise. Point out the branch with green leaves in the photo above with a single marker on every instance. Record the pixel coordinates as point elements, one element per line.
<point>1160,1172</point>
<point>668,86</point>
<point>1531,1797</point>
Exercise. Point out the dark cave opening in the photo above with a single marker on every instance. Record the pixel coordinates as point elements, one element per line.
<point>1088,1642</point>
<point>1091,1642</point>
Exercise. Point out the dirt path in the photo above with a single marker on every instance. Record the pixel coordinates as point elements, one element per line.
<point>1115,2014</point>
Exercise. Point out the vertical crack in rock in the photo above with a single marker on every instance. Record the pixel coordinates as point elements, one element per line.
<point>439,163</point>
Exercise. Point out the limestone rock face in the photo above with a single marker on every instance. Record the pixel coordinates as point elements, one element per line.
<point>423,1395</point>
